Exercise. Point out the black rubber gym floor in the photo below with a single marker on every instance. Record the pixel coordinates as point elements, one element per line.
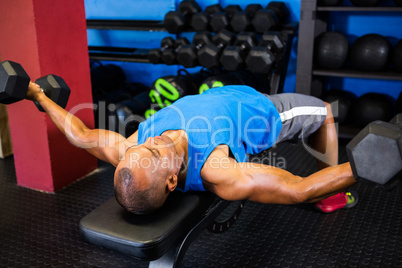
<point>41,230</point>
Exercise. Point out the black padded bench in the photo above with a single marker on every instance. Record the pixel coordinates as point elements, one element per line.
<point>162,237</point>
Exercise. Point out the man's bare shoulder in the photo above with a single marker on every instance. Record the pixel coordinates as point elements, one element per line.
<point>216,161</point>
<point>219,152</point>
<point>133,139</point>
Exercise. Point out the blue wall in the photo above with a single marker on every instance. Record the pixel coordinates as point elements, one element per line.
<point>352,24</point>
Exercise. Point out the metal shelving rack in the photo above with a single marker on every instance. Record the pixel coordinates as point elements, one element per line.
<point>312,23</point>
<point>131,25</point>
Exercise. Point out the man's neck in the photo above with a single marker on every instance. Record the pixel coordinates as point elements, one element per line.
<point>180,141</point>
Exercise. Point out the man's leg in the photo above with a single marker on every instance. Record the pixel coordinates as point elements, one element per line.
<point>301,116</point>
<point>306,116</point>
<point>325,141</point>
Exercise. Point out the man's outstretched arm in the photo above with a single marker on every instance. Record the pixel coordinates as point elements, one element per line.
<point>105,145</point>
<point>266,184</point>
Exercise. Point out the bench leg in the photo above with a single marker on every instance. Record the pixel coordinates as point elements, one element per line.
<point>171,258</point>
<point>174,256</point>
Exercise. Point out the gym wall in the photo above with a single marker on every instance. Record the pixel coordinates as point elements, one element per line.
<point>352,24</point>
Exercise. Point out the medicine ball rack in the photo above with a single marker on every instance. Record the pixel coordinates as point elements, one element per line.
<point>312,23</point>
<point>358,74</point>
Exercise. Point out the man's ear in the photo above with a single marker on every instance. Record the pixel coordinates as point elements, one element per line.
<point>171,182</point>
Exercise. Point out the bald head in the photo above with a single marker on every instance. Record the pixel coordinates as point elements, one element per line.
<point>146,175</point>
<point>137,195</point>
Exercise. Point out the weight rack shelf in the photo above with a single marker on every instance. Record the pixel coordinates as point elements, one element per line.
<point>129,25</point>
<point>118,54</point>
<point>387,75</point>
<point>132,25</point>
<point>362,9</point>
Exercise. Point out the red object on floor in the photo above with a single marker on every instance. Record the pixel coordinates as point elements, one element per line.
<point>47,37</point>
<point>332,203</point>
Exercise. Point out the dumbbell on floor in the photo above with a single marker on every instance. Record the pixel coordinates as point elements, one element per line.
<point>187,54</point>
<point>168,89</point>
<point>221,20</point>
<point>241,20</point>
<point>209,55</point>
<point>375,154</point>
<point>169,55</point>
<point>269,18</point>
<point>176,21</point>
<point>233,57</point>
<point>14,82</point>
<point>261,58</point>
<point>200,21</point>
<point>155,55</point>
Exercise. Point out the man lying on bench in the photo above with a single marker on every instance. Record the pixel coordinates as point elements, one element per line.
<point>201,143</point>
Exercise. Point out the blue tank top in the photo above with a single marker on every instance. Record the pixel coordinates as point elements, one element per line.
<point>238,116</point>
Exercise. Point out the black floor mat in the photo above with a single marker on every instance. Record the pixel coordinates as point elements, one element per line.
<point>41,230</point>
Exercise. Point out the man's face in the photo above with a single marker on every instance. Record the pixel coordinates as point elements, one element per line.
<point>155,158</point>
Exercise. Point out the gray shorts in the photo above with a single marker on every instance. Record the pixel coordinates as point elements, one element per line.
<point>301,115</point>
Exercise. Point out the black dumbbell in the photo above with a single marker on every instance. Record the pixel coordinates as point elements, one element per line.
<point>14,82</point>
<point>221,20</point>
<point>274,41</point>
<point>200,21</point>
<point>209,55</point>
<point>241,20</point>
<point>261,58</point>
<point>169,55</point>
<point>155,55</point>
<point>233,57</point>
<point>371,163</point>
<point>230,78</point>
<point>187,54</point>
<point>280,9</point>
<point>177,21</point>
<point>179,86</point>
<point>269,18</point>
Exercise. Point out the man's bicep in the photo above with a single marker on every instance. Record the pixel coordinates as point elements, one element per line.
<point>252,181</point>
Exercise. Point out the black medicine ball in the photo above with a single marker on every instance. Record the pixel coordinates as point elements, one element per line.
<point>370,52</point>
<point>398,104</point>
<point>370,107</point>
<point>331,50</point>
<point>341,102</point>
<point>397,56</point>
<point>398,2</point>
